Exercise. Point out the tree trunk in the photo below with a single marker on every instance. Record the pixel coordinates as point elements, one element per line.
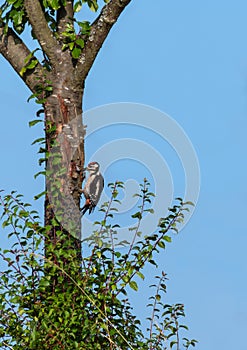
<point>64,176</point>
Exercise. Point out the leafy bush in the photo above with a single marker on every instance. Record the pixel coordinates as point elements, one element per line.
<point>46,305</point>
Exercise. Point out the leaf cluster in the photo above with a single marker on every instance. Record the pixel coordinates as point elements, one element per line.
<point>165,329</point>
<point>13,14</point>
<point>75,42</point>
<point>47,304</point>
<point>12,11</point>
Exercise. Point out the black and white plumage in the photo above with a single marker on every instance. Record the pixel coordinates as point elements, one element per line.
<point>93,188</point>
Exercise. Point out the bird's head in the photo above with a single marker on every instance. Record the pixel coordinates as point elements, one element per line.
<point>92,167</point>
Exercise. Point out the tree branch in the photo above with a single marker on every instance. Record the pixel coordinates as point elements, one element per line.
<point>99,31</point>
<point>42,31</point>
<point>65,15</point>
<point>15,52</point>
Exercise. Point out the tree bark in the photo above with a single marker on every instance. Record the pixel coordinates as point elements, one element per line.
<point>65,174</point>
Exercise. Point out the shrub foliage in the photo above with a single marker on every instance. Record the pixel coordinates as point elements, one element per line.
<point>89,309</point>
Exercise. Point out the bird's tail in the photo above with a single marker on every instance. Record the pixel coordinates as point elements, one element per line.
<point>88,206</point>
<point>84,209</point>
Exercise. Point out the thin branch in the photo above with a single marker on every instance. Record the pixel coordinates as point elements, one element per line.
<point>99,31</point>
<point>154,309</point>
<point>141,262</point>
<point>142,207</point>
<point>42,31</point>
<point>5,344</point>
<point>15,52</point>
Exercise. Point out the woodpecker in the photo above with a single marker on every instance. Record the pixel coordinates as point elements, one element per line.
<point>93,188</point>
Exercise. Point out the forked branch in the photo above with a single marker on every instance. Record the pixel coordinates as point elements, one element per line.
<point>99,31</point>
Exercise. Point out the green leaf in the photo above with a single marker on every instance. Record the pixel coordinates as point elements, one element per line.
<point>140,275</point>
<point>77,6</point>
<point>80,42</point>
<point>174,342</point>
<point>23,213</point>
<point>71,45</point>
<point>85,27</point>
<point>161,244</point>
<point>32,64</point>
<point>39,195</point>
<point>48,88</point>
<point>151,261</point>
<point>189,203</point>
<point>133,285</point>
<point>23,71</point>
<point>54,4</point>
<point>158,297</point>
<point>93,5</point>
<point>151,211</point>
<point>17,17</point>
<point>34,122</point>
<point>137,215</point>
<point>44,283</point>
<point>76,52</point>
<point>5,223</point>
<point>39,173</point>
<point>167,239</point>
<point>39,140</point>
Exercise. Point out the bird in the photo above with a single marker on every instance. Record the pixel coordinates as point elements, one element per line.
<point>93,188</point>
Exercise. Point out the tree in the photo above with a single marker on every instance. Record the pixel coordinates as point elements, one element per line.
<point>49,301</point>
<point>58,84</point>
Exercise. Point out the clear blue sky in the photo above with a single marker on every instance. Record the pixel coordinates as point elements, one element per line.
<point>189,60</point>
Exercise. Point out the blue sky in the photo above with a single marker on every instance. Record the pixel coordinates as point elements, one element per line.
<point>189,60</point>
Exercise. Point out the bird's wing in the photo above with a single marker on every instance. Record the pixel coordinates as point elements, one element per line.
<point>95,188</point>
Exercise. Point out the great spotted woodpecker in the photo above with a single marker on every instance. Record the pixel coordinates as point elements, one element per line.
<point>93,188</point>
